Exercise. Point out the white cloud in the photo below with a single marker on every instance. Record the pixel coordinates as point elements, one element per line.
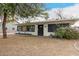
<point>67,11</point>
<point>51,13</point>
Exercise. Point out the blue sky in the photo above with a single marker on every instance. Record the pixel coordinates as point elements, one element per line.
<point>58,5</point>
<point>69,9</point>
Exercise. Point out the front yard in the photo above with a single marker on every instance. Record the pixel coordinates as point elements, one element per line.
<point>29,45</point>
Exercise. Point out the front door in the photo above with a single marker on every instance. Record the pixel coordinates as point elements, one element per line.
<point>40,30</point>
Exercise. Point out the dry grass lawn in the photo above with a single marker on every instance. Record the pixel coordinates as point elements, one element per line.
<point>36,46</point>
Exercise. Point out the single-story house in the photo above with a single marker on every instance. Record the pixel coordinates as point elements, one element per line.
<point>43,28</point>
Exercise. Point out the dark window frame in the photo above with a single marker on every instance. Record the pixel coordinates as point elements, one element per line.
<point>53,27</point>
<point>19,28</point>
<point>30,28</point>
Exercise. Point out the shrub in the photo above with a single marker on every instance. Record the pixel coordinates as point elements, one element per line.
<point>67,33</point>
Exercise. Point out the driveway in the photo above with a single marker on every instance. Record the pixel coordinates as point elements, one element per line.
<point>36,46</point>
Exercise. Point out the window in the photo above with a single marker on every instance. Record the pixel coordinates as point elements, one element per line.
<point>19,28</point>
<point>52,27</point>
<point>30,28</point>
<point>24,28</point>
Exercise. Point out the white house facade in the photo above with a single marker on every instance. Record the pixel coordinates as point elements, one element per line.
<point>43,28</point>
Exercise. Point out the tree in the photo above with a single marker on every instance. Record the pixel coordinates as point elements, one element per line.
<point>59,13</point>
<point>45,15</point>
<point>9,10</point>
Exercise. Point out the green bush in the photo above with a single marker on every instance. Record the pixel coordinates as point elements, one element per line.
<point>67,33</point>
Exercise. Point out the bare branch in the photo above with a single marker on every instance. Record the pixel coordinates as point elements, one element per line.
<point>59,14</point>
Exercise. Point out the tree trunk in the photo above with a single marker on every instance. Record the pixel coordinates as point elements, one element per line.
<point>4,26</point>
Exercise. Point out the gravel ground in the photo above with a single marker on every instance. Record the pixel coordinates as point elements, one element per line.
<point>18,45</point>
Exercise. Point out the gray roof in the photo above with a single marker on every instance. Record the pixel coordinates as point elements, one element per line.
<point>71,21</point>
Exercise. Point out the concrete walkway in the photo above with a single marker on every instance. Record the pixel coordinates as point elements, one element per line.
<point>8,33</point>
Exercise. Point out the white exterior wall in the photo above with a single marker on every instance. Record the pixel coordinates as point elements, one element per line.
<point>45,30</point>
<point>9,27</point>
<point>46,33</point>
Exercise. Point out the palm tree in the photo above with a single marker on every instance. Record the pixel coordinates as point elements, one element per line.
<point>20,9</point>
